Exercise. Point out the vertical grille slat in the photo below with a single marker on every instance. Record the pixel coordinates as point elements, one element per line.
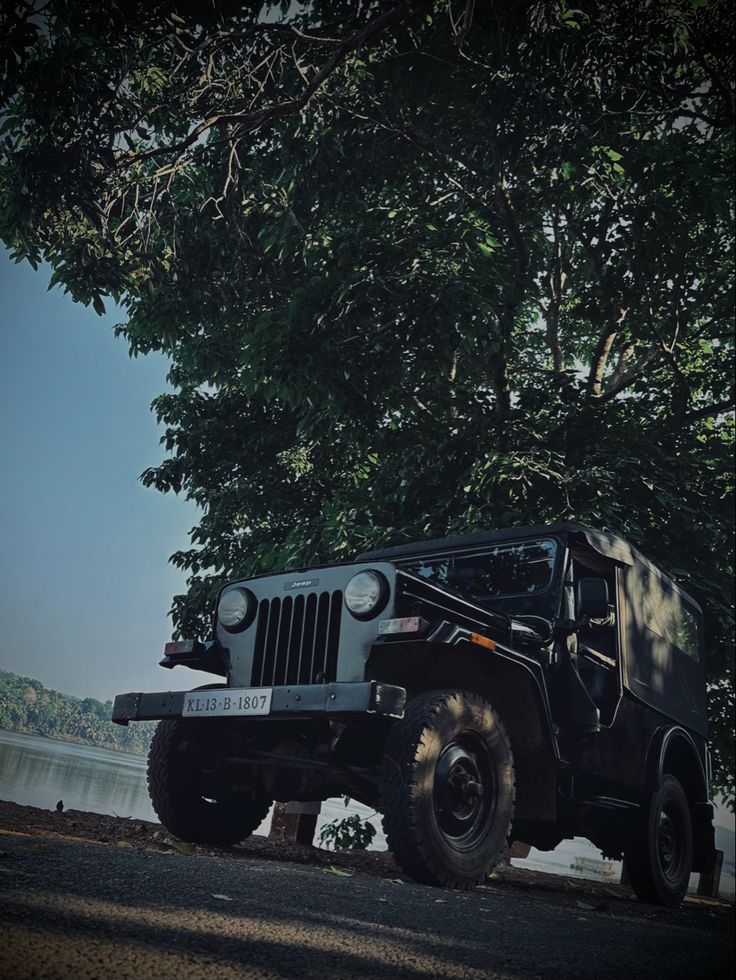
<point>307,650</point>
<point>260,644</point>
<point>297,640</point>
<point>333,635</point>
<point>282,646</point>
<point>320,638</point>
<point>269,667</point>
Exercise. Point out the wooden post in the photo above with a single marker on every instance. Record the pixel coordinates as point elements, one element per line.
<point>517,849</point>
<point>306,815</point>
<point>625,874</point>
<point>295,822</point>
<point>709,884</point>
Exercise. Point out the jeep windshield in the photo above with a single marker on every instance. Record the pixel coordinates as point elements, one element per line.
<point>503,571</point>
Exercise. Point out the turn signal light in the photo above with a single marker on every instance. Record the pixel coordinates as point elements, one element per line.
<point>482,641</point>
<point>407,624</point>
<point>183,648</point>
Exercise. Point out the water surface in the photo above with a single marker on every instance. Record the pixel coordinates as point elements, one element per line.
<point>38,771</point>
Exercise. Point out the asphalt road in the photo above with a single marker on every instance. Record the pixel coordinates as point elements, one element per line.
<point>75,909</point>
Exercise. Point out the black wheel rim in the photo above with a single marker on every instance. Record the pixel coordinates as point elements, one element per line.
<point>464,791</point>
<point>670,843</point>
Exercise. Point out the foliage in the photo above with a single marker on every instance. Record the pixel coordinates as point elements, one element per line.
<point>351,833</point>
<point>27,706</point>
<point>419,267</point>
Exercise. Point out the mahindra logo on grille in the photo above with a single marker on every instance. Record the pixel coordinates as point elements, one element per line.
<point>300,583</point>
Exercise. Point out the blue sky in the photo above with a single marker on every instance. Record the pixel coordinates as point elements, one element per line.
<point>85,584</point>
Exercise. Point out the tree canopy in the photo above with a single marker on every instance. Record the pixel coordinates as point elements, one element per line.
<point>419,267</point>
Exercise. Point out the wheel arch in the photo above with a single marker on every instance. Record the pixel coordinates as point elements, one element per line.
<point>674,751</point>
<point>516,693</point>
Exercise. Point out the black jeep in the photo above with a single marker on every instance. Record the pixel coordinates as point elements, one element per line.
<point>526,684</point>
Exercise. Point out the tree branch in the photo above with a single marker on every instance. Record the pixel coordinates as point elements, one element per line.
<point>719,408</point>
<point>552,313</point>
<point>624,378</point>
<point>600,359</point>
<point>247,121</point>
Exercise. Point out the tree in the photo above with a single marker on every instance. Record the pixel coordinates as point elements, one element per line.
<point>419,267</point>
<point>27,706</point>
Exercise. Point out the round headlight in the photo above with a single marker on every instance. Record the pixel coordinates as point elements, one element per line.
<point>365,594</point>
<point>236,609</point>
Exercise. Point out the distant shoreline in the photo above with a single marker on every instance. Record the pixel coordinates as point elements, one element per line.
<point>73,740</point>
<point>27,707</point>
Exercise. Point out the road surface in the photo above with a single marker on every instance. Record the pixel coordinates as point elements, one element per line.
<point>71,908</point>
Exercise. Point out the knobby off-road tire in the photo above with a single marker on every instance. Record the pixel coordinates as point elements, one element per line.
<point>448,789</point>
<point>192,804</point>
<point>660,856</point>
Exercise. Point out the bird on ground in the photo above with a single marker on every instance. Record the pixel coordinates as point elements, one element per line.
<point>60,806</point>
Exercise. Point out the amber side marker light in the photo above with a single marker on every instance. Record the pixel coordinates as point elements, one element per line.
<point>482,641</point>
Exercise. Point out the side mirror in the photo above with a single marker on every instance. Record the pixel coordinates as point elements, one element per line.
<point>591,596</point>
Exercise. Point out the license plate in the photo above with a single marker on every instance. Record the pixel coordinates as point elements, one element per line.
<point>235,702</point>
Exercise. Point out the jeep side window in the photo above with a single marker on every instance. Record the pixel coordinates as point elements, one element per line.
<point>598,641</point>
<point>663,659</point>
<point>665,615</point>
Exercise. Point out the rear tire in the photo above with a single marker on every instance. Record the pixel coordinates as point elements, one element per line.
<point>448,789</point>
<point>191,801</point>
<point>660,856</point>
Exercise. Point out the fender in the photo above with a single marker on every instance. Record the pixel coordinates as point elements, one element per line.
<point>678,738</point>
<point>678,742</point>
<point>449,634</point>
<point>511,681</point>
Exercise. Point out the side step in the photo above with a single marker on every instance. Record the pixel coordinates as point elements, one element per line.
<point>609,803</point>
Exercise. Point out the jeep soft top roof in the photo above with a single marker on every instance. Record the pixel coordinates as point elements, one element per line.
<point>604,542</point>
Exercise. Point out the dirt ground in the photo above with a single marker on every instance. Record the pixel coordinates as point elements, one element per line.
<point>143,835</point>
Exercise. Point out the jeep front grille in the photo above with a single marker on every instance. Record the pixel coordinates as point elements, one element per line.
<point>296,640</point>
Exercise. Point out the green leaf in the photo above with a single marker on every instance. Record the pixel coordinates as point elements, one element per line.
<point>332,870</point>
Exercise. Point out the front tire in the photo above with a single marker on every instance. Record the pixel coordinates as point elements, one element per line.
<point>660,856</point>
<point>191,800</point>
<point>448,789</point>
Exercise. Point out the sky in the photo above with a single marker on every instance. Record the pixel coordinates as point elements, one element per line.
<point>85,583</point>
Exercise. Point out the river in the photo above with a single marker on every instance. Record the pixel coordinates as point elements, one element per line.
<point>38,771</point>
